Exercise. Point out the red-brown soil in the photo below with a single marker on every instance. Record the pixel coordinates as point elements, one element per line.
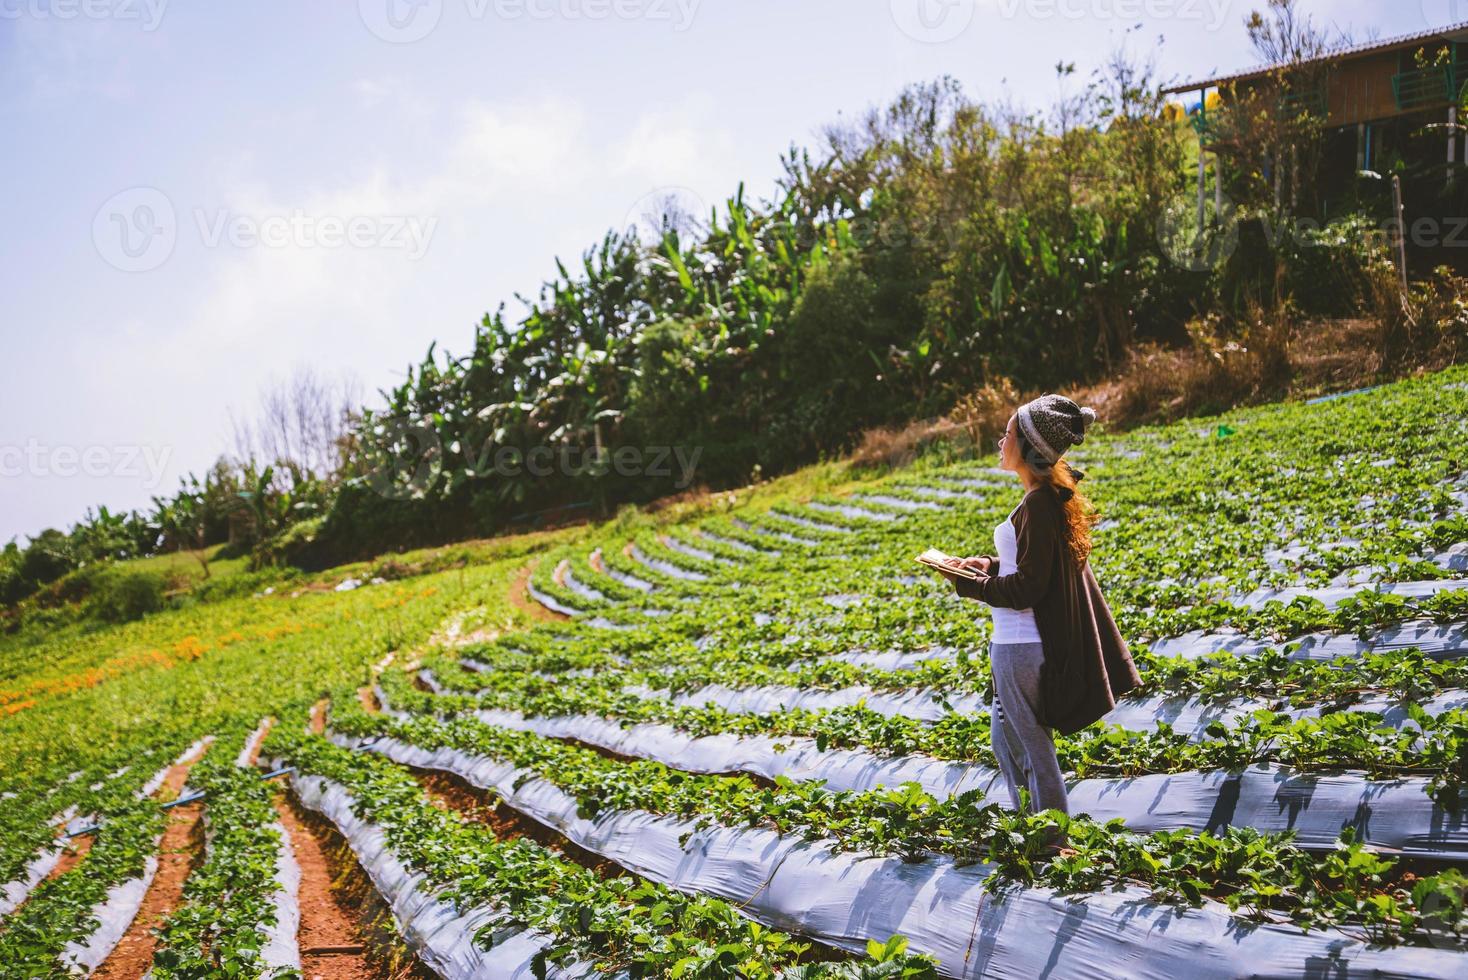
<point>179,853</point>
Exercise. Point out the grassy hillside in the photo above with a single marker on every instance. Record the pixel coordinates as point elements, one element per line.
<point>1319,546</point>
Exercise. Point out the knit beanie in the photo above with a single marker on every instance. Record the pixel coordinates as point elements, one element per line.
<point>1054,423</point>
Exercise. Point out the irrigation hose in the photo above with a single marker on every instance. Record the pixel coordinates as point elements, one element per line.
<point>181,801</point>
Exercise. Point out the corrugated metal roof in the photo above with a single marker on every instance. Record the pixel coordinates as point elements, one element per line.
<point>1456,32</point>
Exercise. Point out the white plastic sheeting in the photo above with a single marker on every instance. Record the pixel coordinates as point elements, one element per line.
<point>852,511</point>
<point>1441,641</point>
<point>1188,716</point>
<point>441,934</point>
<point>923,705</point>
<point>17,891</point>
<point>603,623</point>
<point>666,567</point>
<point>1454,559</point>
<point>550,603</point>
<point>1396,814</point>
<point>252,745</point>
<point>901,503</point>
<point>889,659</point>
<point>942,493</point>
<point>120,906</point>
<point>773,533</point>
<point>844,900</point>
<point>684,548</point>
<point>280,950</point>
<point>114,914</point>
<point>570,581</point>
<point>809,522</point>
<point>1191,717</point>
<point>736,544</point>
<point>629,580</point>
<point>13,893</point>
<point>979,482</point>
<point>1333,596</point>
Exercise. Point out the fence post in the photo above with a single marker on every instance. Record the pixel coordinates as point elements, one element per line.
<point>1401,228</point>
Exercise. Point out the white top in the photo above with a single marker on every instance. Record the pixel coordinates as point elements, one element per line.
<point>1011,625</point>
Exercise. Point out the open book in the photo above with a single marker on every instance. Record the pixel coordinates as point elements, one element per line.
<point>934,558</point>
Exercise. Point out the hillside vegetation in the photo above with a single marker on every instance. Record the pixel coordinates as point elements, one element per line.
<point>930,255</point>
<point>773,675</point>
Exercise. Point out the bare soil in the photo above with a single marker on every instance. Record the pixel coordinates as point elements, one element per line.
<point>453,793</point>
<point>332,947</point>
<point>180,852</point>
<point>520,598</point>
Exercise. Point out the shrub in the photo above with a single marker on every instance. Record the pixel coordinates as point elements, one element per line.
<point>242,584</point>
<point>984,414</point>
<point>122,595</point>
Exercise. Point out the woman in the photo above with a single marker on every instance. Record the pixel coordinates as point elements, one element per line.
<point>1057,658</point>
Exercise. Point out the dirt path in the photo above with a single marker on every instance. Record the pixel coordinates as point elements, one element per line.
<point>179,853</point>
<point>76,849</point>
<point>331,945</point>
<point>450,792</point>
<point>335,934</point>
<point>520,598</point>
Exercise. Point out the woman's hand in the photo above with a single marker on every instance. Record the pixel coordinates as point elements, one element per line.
<point>950,569</point>
<point>981,564</point>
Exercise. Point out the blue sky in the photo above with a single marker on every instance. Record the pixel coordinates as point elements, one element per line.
<point>202,195</point>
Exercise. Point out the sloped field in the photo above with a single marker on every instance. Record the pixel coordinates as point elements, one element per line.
<point>758,744</point>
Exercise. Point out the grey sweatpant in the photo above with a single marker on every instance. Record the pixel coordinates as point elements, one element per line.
<point>1025,748</point>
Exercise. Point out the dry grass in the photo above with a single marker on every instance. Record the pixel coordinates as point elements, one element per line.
<point>1160,385</point>
<point>1276,356</point>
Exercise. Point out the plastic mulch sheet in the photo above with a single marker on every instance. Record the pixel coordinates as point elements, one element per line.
<point>684,548</point>
<point>15,892</point>
<point>1333,596</point>
<point>923,705</point>
<point>550,603</point>
<point>901,503</point>
<point>281,950</point>
<point>844,900</point>
<point>1440,641</point>
<point>737,545</point>
<point>440,934</point>
<point>771,532</point>
<point>585,591</point>
<point>1395,814</point>
<point>853,512</point>
<point>666,567</point>
<point>115,913</point>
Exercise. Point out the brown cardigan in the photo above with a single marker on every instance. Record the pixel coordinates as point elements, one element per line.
<point>1087,664</point>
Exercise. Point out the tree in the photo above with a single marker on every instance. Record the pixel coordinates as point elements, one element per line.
<point>184,521</point>
<point>1277,127</point>
<point>303,424</point>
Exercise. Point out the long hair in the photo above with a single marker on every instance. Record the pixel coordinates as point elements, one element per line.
<point>1076,508</point>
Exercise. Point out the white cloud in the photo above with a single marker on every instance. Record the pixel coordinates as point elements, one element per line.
<point>674,142</point>
<point>509,186</point>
